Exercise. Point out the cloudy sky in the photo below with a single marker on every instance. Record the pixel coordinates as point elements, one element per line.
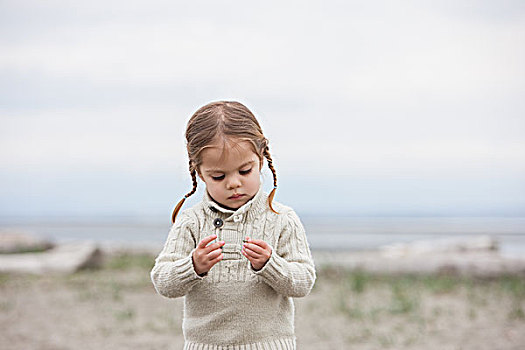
<point>371,108</point>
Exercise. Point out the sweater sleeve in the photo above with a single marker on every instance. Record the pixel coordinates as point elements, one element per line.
<point>290,271</point>
<point>173,274</point>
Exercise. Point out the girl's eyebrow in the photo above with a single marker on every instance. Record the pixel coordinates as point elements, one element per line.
<point>217,170</point>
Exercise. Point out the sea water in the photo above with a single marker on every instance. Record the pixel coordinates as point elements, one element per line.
<point>324,233</point>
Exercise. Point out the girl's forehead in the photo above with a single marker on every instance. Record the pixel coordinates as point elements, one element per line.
<point>227,152</point>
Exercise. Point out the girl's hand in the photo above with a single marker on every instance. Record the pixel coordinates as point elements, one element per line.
<point>257,251</point>
<point>204,257</point>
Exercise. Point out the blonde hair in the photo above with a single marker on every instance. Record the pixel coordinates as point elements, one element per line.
<point>222,121</point>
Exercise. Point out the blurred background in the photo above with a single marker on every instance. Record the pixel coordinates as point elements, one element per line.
<point>387,121</point>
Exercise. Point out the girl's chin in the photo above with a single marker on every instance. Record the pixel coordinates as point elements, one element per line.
<point>230,204</point>
<point>233,203</point>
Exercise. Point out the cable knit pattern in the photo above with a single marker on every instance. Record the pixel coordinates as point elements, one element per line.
<point>234,307</point>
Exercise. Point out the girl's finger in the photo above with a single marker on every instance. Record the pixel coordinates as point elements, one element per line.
<point>213,247</point>
<point>259,242</point>
<point>214,254</point>
<point>254,257</point>
<point>254,248</point>
<point>249,253</point>
<point>217,258</point>
<point>251,257</point>
<point>206,240</point>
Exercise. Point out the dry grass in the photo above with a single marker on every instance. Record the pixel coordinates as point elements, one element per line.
<point>413,312</point>
<point>116,308</point>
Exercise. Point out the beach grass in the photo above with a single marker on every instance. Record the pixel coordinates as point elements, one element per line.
<point>116,307</point>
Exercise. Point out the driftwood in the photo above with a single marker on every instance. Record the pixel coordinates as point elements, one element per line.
<point>64,258</point>
<point>19,242</point>
<point>476,257</point>
<point>441,245</point>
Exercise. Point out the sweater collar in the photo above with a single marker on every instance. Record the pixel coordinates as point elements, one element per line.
<point>252,208</point>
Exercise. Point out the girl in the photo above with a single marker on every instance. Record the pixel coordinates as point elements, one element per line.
<point>237,257</point>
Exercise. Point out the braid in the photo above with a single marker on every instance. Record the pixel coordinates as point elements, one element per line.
<point>266,153</point>
<point>181,202</point>
<point>193,174</point>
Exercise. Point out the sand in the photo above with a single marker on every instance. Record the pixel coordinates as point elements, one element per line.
<point>116,307</point>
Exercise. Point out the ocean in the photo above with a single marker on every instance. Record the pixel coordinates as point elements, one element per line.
<point>324,233</point>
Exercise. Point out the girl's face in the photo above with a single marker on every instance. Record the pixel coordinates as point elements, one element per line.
<point>231,173</point>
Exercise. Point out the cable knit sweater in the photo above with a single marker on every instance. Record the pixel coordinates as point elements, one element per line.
<point>233,306</point>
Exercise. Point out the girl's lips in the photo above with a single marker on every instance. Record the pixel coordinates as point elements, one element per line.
<point>237,196</point>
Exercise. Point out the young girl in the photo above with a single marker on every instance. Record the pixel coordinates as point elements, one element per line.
<point>237,257</point>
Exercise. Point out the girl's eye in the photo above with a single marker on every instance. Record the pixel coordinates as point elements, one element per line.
<point>245,172</point>
<point>218,178</point>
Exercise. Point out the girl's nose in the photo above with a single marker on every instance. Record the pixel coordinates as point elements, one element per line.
<point>234,183</point>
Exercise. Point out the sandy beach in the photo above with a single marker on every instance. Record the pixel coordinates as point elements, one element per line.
<point>116,307</point>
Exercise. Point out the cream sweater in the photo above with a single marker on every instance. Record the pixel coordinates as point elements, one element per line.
<point>233,306</point>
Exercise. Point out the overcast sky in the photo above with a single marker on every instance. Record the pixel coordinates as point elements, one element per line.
<point>371,108</point>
